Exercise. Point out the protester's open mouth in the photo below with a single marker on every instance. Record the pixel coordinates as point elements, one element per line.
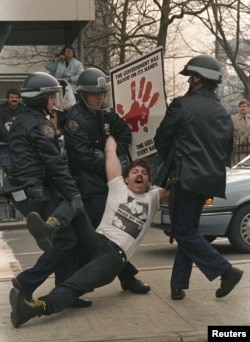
<point>138,180</point>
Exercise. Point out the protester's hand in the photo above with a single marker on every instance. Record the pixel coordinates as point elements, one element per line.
<point>77,205</point>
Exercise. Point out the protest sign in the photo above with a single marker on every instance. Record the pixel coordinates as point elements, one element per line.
<point>139,98</point>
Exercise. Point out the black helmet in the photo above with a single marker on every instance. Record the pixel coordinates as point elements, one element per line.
<point>204,65</point>
<point>93,80</point>
<point>37,87</point>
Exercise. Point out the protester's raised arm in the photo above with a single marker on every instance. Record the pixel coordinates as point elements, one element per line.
<point>113,165</point>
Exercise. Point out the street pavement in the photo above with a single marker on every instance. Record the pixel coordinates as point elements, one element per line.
<point>118,315</point>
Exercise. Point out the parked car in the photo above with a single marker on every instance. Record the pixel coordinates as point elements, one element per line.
<point>228,217</point>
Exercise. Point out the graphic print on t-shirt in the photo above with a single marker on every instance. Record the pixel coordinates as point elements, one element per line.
<point>131,216</point>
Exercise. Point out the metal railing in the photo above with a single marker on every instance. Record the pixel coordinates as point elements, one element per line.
<point>241,150</point>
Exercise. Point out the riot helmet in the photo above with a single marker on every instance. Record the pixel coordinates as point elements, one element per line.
<point>36,89</point>
<point>93,80</point>
<point>205,66</point>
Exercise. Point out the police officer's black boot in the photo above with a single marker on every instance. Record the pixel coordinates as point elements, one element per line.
<point>42,231</point>
<point>24,291</point>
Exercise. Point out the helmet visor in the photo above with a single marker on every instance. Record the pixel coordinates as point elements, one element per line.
<point>59,100</point>
<point>94,88</point>
<point>57,93</point>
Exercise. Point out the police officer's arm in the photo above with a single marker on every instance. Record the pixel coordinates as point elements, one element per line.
<point>57,170</point>
<point>165,133</point>
<point>113,165</point>
<point>80,149</point>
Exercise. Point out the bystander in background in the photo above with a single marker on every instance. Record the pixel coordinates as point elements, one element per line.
<point>65,66</point>
<point>241,123</point>
<point>8,112</point>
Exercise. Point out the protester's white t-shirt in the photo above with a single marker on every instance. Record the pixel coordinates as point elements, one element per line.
<point>128,215</point>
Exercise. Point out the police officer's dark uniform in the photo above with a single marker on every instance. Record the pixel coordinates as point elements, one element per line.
<point>40,180</point>
<point>197,127</point>
<point>85,130</point>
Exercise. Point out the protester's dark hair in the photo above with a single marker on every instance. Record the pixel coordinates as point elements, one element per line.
<point>67,47</point>
<point>14,91</point>
<point>143,162</point>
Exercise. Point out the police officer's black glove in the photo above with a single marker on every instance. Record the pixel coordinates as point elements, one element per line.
<point>77,205</point>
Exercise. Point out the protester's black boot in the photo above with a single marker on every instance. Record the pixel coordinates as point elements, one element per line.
<point>43,232</point>
<point>79,303</point>
<point>23,310</point>
<point>135,285</point>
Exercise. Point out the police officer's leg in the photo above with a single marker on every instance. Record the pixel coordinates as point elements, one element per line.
<point>192,246</point>
<point>44,230</point>
<point>51,261</point>
<point>59,259</point>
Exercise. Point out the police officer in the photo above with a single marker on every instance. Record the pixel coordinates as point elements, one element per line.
<point>40,180</point>
<point>198,128</point>
<point>85,130</point>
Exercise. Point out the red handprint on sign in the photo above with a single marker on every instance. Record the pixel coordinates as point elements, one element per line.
<point>139,111</point>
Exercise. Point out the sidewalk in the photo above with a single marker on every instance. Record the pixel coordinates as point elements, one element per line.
<point>12,224</point>
<point>121,316</point>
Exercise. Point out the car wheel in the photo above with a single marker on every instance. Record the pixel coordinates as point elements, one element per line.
<point>239,230</point>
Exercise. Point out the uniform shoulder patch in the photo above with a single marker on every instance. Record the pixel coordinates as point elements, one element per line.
<point>73,125</point>
<point>48,130</point>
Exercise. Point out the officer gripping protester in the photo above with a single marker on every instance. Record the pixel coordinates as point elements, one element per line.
<point>41,182</point>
